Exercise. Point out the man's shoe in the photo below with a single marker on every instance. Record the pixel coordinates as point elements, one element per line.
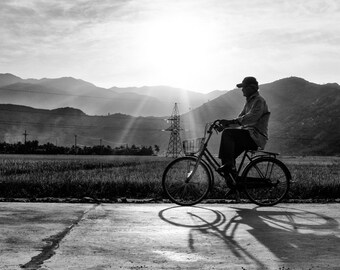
<point>229,173</point>
<point>225,168</point>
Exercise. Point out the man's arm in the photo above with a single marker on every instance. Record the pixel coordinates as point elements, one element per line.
<point>242,112</point>
<point>253,115</point>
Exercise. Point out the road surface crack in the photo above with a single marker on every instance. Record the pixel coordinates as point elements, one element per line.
<point>52,244</point>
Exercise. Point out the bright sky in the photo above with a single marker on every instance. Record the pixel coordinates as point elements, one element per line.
<point>198,45</point>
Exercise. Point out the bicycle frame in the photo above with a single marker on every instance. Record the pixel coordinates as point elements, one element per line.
<point>206,156</point>
<point>260,175</point>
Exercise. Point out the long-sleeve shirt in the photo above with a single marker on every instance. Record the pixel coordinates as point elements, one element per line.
<point>254,117</point>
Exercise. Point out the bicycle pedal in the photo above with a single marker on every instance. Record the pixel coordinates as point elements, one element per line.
<point>222,168</point>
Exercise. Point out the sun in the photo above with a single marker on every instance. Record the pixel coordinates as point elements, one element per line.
<point>176,51</point>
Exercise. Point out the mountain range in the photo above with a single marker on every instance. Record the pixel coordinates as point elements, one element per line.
<point>304,116</point>
<point>70,92</point>
<point>304,120</point>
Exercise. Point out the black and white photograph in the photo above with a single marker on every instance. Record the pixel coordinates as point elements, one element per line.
<point>170,134</point>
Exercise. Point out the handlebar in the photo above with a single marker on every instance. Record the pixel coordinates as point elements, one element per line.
<point>218,125</point>
<point>214,125</point>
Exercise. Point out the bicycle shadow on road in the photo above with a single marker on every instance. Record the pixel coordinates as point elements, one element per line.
<point>286,234</point>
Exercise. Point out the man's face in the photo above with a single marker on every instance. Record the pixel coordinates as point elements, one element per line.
<point>248,91</point>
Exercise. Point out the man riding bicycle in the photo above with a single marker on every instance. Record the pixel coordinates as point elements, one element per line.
<point>263,178</point>
<point>252,131</point>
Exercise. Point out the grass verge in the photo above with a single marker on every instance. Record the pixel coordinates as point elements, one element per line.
<point>115,177</point>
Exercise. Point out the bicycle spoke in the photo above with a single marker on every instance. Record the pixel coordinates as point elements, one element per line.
<point>175,190</point>
<point>185,181</point>
<point>264,170</point>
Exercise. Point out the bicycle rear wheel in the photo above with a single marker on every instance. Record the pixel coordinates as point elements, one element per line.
<point>183,183</point>
<point>266,181</point>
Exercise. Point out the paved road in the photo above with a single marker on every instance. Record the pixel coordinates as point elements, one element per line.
<point>163,236</point>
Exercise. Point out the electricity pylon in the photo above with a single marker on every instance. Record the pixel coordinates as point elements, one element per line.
<point>175,143</point>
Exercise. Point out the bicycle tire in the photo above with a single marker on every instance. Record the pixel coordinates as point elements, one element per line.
<point>181,191</point>
<point>266,181</point>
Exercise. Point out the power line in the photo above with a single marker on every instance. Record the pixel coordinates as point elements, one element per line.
<point>102,140</point>
<point>11,123</point>
<point>72,126</point>
<point>107,97</point>
<point>52,112</point>
<point>43,124</point>
<point>77,138</point>
<point>50,93</point>
<point>45,111</point>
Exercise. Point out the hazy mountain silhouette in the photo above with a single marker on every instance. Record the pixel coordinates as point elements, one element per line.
<point>187,100</point>
<point>6,79</point>
<point>304,120</point>
<point>93,100</point>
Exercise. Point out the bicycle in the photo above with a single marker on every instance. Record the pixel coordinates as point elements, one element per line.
<point>187,180</point>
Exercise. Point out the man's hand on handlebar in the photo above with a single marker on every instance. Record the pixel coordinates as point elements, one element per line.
<point>222,124</point>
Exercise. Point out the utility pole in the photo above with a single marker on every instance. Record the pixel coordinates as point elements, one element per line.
<point>75,144</point>
<point>175,144</point>
<point>25,134</point>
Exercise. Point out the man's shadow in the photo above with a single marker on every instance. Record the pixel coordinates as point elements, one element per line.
<point>291,235</point>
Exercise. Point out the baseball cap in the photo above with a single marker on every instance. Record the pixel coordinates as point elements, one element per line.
<point>247,81</point>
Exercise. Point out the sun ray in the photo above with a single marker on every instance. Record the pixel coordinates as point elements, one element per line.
<point>128,131</point>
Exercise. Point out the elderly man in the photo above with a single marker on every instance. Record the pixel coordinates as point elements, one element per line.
<point>252,132</point>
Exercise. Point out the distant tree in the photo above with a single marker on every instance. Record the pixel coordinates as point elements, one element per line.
<point>157,149</point>
<point>33,147</point>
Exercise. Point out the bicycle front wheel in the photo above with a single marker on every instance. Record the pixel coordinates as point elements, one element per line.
<point>266,181</point>
<point>186,181</point>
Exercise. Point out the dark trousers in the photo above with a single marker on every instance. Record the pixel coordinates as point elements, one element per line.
<point>233,143</point>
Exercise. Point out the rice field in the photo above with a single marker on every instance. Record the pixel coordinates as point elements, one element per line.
<point>314,177</point>
<point>112,177</point>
